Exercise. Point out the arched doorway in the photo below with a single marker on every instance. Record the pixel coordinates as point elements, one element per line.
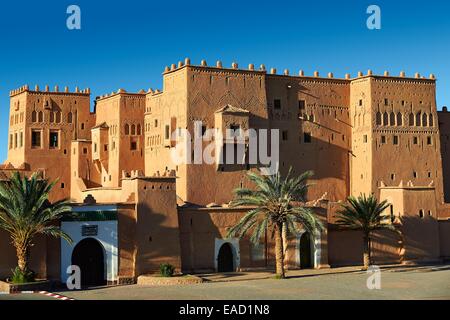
<point>89,256</point>
<point>305,251</point>
<point>225,260</point>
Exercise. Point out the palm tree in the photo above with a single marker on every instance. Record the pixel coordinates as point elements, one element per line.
<point>365,214</point>
<point>25,212</point>
<point>276,201</point>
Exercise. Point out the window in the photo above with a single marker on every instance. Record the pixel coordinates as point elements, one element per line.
<point>36,139</point>
<point>284,135</point>
<point>204,130</point>
<point>424,120</point>
<point>168,131</point>
<point>383,139</point>
<point>421,215</point>
<point>82,126</point>
<point>385,119</point>
<point>95,147</point>
<point>365,138</point>
<point>415,174</point>
<point>395,140</point>
<point>429,174</point>
<point>10,141</point>
<point>429,141</point>
<point>85,151</point>
<point>62,185</point>
<point>392,176</point>
<point>156,123</point>
<point>105,147</point>
<point>33,116</point>
<point>133,129</point>
<point>418,119</point>
<point>301,104</point>
<point>386,102</point>
<point>133,146</point>
<point>40,116</point>
<point>307,137</point>
<point>127,129</point>
<point>52,117</point>
<point>138,130</point>
<point>15,140</point>
<point>360,102</point>
<point>411,119</point>
<point>430,120</point>
<point>21,139</point>
<point>378,119</point>
<point>54,137</point>
<point>415,140</point>
<point>277,104</point>
<point>58,117</point>
<point>399,119</point>
<point>392,119</point>
<point>69,117</point>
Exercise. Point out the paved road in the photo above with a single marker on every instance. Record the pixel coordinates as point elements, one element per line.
<point>423,283</point>
<point>418,284</point>
<point>25,296</point>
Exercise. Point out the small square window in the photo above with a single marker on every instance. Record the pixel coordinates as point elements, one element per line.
<point>277,104</point>
<point>395,140</point>
<point>85,151</point>
<point>307,137</point>
<point>36,139</point>
<point>301,104</point>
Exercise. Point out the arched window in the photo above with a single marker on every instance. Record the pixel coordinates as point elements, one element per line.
<point>58,117</point>
<point>385,119</point>
<point>392,119</point>
<point>127,129</point>
<point>34,116</point>
<point>399,119</point>
<point>411,119</point>
<point>133,129</point>
<point>424,120</point>
<point>418,119</point>
<point>69,117</point>
<point>430,120</point>
<point>52,117</point>
<point>41,116</point>
<point>378,119</point>
<point>139,129</point>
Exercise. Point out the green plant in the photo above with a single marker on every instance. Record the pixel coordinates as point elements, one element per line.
<point>365,214</point>
<point>278,205</point>
<point>166,270</point>
<point>26,212</point>
<point>19,276</point>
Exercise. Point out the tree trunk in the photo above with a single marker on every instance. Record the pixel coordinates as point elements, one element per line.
<point>366,252</point>
<point>279,254</point>
<point>22,257</point>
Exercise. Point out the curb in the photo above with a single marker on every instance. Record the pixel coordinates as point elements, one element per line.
<point>56,296</point>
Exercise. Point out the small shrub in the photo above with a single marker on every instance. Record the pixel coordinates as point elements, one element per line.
<point>22,277</point>
<point>166,270</point>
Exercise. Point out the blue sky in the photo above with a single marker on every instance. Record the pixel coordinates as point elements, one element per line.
<point>127,44</point>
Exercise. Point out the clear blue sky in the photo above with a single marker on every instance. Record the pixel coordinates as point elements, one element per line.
<point>128,44</point>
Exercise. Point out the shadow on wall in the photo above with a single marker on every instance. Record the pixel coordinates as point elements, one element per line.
<point>199,230</point>
<point>8,258</point>
<point>419,241</point>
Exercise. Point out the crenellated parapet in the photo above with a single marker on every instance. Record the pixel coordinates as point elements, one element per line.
<point>286,72</point>
<point>47,90</point>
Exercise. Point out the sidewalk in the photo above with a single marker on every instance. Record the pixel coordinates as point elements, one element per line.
<point>267,274</point>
